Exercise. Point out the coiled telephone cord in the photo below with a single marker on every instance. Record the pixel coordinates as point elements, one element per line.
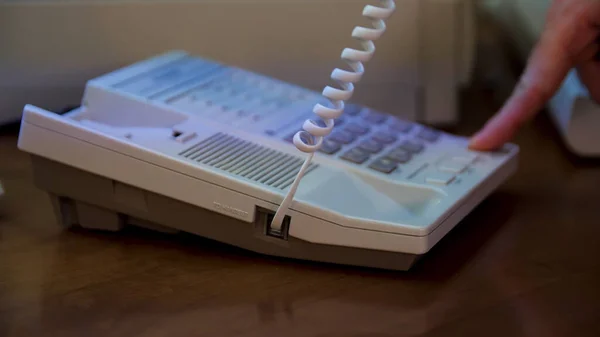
<point>310,139</point>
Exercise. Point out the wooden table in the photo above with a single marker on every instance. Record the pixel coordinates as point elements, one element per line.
<point>524,263</point>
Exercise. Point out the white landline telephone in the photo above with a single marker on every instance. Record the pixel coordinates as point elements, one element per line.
<point>181,143</point>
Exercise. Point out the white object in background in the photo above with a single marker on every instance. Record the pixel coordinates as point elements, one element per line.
<point>205,148</point>
<point>51,48</point>
<point>577,117</point>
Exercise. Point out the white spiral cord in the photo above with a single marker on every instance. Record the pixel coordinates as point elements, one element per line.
<point>314,133</point>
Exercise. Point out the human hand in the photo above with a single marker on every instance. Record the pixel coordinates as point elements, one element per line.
<point>570,39</point>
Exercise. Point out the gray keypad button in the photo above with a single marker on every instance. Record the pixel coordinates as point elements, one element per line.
<point>356,156</point>
<point>429,135</point>
<point>375,117</point>
<point>399,156</point>
<point>357,129</point>
<point>384,165</point>
<point>401,126</point>
<point>352,109</point>
<point>329,147</point>
<point>342,137</point>
<point>384,137</point>
<point>337,122</point>
<point>371,146</point>
<point>412,146</point>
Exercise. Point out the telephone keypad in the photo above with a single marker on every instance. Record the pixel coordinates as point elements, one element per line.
<point>366,134</point>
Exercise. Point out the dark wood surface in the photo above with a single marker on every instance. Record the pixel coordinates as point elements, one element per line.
<point>526,262</point>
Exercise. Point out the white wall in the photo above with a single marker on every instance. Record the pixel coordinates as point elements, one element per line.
<point>522,19</point>
<point>49,49</point>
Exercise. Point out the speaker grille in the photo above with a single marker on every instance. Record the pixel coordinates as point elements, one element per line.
<point>247,160</point>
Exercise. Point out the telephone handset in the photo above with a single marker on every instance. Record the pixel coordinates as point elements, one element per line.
<point>311,138</point>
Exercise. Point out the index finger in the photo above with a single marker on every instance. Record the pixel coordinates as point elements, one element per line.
<point>548,65</point>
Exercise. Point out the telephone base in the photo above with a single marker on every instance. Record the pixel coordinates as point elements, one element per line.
<point>381,192</point>
<point>93,202</point>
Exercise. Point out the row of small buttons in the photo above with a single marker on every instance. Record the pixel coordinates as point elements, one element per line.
<point>377,142</point>
<point>450,168</point>
<point>387,162</point>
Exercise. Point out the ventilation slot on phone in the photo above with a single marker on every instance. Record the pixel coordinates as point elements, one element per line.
<point>247,159</point>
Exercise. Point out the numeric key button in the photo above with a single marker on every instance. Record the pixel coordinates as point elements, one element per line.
<point>384,165</point>
<point>412,146</point>
<point>352,109</point>
<point>356,156</point>
<point>357,129</point>
<point>375,117</point>
<point>342,137</point>
<point>400,156</point>
<point>384,137</point>
<point>401,126</point>
<point>330,147</point>
<point>371,146</point>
